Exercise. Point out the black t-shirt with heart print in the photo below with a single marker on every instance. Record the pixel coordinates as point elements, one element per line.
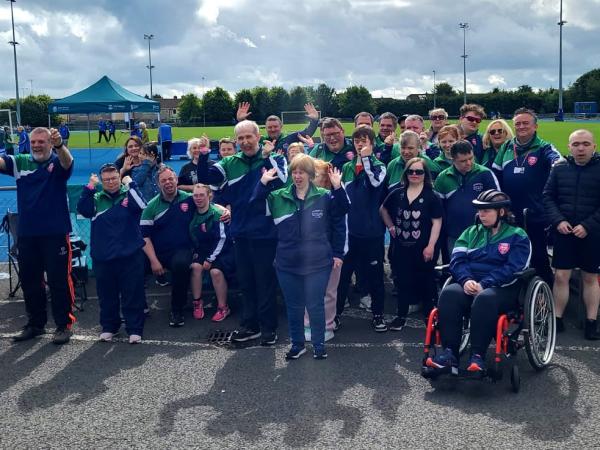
<point>413,220</point>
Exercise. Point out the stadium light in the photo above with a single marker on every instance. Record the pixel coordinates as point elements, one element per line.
<point>203,109</point>
<point>434,93</point>
<point>464,26</point>
<point>560,24</point>
<point>150,66</point>
<point>14,43</point>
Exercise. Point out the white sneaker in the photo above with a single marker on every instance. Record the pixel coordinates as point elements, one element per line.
<point>106,337</point>
<point>307,334</point>
<point>135,339</point>
<point>365,302</point>
<point>346,304</point>
<point>329,335</point>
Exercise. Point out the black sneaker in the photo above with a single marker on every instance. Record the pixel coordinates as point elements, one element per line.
<point>62,336</point>
<point>295,353</point>
<point>379,324</point>
<point>591,331</point>
<point>319,352</point>
<point>244,335</point>
<point>337,323</point>
<point>397,324</point>
<point>176,319</point>
<point>268,339</point>
<point>560,325</point>
<point>28,332</point>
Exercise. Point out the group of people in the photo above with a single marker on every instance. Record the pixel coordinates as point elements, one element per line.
<point>280,210</point>
<point>7,144</point>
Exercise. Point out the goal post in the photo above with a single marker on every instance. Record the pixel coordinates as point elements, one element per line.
<point>8,118</point>
<point>295,117</point>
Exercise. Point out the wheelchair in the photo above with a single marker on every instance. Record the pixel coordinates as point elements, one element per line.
<point>532,326</point>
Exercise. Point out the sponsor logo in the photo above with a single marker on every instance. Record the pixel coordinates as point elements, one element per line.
<point>531,160</point>
<point>50,167</point>
<point>478,187</point>
<point>317,213</point>
<point>184,207</point>
<point>503,248</point>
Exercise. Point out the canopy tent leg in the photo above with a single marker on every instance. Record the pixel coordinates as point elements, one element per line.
<point>89,141</point>
<point>49,123</point>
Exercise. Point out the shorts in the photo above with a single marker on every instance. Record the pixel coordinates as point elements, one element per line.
<point>570,252</point>
<point>225,262</point>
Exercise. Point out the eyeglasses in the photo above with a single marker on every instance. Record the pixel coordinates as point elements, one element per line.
<point>330,135</point>
<point>110,180</point>
<point>415,172</point>
<point>498,131</point>
<point>437,117</point>
<point>473,119</point>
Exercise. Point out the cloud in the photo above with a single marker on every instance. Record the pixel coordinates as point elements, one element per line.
<point>389,46</point>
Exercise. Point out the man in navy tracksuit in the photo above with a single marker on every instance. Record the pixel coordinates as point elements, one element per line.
<point>524,164</point>
<point>471,116</point>
<point>116,250</point>
<point>363,178</point>
<point>254,233</point>
<point>335,148</point>
<point>43,231</point>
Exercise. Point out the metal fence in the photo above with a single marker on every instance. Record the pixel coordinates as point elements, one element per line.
<point>8,203</point>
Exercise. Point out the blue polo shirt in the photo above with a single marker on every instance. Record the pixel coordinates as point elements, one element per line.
<point>41,194</point>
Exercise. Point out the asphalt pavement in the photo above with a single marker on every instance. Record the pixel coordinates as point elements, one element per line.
<point>176,390</point>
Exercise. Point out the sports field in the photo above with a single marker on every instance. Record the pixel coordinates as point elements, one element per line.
<point>555,132</point>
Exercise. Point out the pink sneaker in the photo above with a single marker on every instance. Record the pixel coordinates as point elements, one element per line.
<point>198,309</point>
<point>221,314</point>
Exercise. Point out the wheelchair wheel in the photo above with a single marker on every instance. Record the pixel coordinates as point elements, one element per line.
<point>515,379</point>
<point>540,323</point>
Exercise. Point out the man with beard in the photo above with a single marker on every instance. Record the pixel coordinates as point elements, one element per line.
<point>43,231</point>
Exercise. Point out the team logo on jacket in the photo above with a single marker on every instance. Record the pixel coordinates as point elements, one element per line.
<point>50,167</point>
<point>503,248</point>
<point>474,141</point>
<point>203,227</point>
<point>478,187</point>
<point>184,207</point>
<point>125,202</point>
<point>317,213</point>
<point>349,156</point>
<point>531,160</point>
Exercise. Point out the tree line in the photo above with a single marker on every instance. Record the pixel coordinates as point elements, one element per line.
<point>218,106</point>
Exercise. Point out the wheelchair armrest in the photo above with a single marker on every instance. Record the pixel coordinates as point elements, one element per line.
<point>442,268</point>
<point>526,274</point>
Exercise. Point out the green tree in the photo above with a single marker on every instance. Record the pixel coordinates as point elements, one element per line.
<point>444,89</point>
<point>189,108</point>
<point>245,95</point>
<point>326,101</point>
<point>278,100</point>
<point>587,87</point>
<point>354,100</point>
<point>218,105</point>
<point>298,99</point>
<point>260,103</point>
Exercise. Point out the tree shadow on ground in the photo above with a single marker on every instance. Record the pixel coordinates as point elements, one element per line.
<point>255,389</point>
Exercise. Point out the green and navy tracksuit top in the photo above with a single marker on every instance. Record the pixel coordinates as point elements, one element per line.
<point>476,141</point>
<point>311,231</point>
<point>115,230</point>
<point>457,191</point>
<point>395,170</point>
<point>347,153</point>
<point>208,234</point>
<point>524,171</point>
<point>41,194</point>
<point>488,157</point>
<point>366,190</point>
<point>284,140</point>
<point>385,153</point>
<point>166,224</point>
<point>492,261</point>
<point>442,162</point>
<point>242,174</point>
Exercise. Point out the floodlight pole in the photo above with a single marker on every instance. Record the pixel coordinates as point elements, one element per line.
<point>434,93</point>
<point>464,26</point>
<point>203,108</point>
<point>560,24</point>
<point>14,43</point>
<point>150,66</point>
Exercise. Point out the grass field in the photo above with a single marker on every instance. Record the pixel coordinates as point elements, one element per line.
<point>555,132</point>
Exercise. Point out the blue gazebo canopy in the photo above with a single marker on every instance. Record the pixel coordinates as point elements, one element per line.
<point>104,96</point>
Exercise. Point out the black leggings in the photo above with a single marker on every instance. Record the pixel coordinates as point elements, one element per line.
<point>484,309</point>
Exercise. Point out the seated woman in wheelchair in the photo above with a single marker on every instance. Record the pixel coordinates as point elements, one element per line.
<point>484,262</point>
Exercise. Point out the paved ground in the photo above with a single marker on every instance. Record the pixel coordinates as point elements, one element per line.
<point>175,390</point>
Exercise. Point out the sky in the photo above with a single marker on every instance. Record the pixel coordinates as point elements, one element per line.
<point>391,47</point>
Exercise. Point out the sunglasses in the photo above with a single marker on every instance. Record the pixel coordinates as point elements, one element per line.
<point>437,117</point>
<point>498,131</point>
<point>415,172</point>
<point>473,119</point>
